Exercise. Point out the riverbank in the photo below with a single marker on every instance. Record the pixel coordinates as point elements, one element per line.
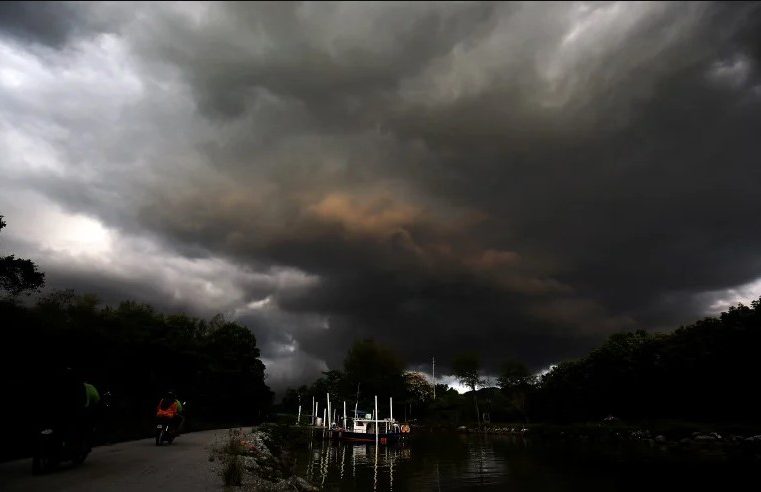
<point>258,460</point>
<point>667,433</point>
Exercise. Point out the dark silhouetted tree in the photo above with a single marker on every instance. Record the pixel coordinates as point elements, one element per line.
<point>512,373</point>
<point>515,380</point>
<point>467,369</point>
<point>376,368</point>
<point>417,386</point>
<point>18,275</point>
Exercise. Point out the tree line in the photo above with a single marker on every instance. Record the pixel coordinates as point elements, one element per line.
<point>706,371</point>
<point>136,354</point>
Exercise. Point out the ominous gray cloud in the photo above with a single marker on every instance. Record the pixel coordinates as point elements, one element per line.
<point>49,23</point>
<point>517,179</point>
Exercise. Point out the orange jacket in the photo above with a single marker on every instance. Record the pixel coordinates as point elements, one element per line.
<point>170,412</point>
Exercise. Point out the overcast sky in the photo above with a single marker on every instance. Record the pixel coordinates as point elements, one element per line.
<point>516,179</point>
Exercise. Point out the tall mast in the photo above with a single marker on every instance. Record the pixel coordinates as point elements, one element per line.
<point>356,401</point>
<point>376,423</point>
<point>434,378</point>
<point>327,406</point>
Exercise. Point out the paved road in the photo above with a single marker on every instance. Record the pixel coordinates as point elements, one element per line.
<point>130,466</point>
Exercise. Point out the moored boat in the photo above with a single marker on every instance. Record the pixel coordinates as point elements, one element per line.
<point>363,427</point>
<point>365,430</point>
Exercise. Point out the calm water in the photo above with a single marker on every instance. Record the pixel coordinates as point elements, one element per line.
<point>465,462</point>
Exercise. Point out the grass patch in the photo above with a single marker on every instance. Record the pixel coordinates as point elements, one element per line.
<point>232,471</point>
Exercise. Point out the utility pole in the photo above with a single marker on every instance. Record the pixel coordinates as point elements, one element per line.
<point>434,378</point>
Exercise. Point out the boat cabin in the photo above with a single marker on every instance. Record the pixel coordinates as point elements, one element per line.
<point>367,425</point>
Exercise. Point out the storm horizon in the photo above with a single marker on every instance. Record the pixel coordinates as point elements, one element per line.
<point>521,180</point>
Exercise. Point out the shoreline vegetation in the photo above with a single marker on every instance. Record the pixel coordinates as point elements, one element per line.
<point>260,459</point>
<point>662,433</point>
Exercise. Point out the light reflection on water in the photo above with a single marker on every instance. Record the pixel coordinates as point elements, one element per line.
<point>328,462</point>
<point>349,466</point>
<point>465,462</point>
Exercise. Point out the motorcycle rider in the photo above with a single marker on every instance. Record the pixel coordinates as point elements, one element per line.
<point>170,408</point>
<point>75,401</point>
<point>92,401</point>
<point>70,407</point>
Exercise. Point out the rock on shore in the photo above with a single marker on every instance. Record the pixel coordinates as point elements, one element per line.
<point>258,460</point>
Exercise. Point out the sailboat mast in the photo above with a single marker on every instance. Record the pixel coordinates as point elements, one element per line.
<point>376,423</point>
<point>434,377</point>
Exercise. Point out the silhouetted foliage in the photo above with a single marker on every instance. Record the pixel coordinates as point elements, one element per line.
<point>512,374</point>
<point>417,386</point>
<point>376,368</point>
<point>467,369</point>
<point>704,371</point>
<point>18,275</point>
<point>135,353</point>
<point>516,384</point>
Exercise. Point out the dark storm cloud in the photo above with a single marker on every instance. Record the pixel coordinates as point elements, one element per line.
<point>47,23</point>
<point>518,179</point>
<point>330,57</point>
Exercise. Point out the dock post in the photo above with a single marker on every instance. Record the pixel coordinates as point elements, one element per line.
<point>376,422</point>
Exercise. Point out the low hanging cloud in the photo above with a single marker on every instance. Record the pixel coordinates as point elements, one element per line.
<point>516,179</point>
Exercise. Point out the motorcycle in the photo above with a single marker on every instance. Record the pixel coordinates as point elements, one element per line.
<point>56,444</point>
<point>166,430</point>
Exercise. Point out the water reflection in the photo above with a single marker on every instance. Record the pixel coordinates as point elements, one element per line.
<point>347,466</point>
<point>444,462</point>
<point>483,465</point>
<point>330,462</point>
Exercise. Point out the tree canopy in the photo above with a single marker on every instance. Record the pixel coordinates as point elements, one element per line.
<point>512,373</point>
<point>467,369</point>
<point>375,368</point>
<point>136,353</point>
<point>18,275</point>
